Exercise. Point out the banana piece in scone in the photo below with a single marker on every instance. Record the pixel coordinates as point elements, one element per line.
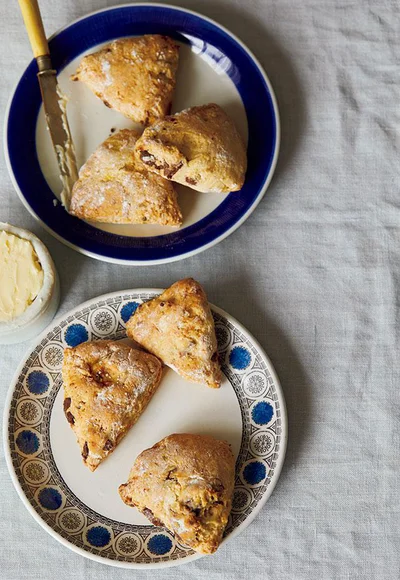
<point>185,483</point>
<point>113,187</point>
<point>178,328</point>
<point>135,76</point>
<point>199,147</point>
<point>107,386</point>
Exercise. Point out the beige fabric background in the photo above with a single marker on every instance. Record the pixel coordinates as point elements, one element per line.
<point>313,274</point>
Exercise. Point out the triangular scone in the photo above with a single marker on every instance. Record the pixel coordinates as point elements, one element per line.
<point>178,327</point>
<point>113,187</point>
<point>185,483</point>
<point>107,386</point>
<point>199,147</point>
<point>135,76</point>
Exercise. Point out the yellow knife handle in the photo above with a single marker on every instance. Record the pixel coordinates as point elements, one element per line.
<point>34,26</point>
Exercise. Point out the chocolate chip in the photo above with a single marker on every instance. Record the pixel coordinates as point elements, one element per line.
<point>108,445</point>
<point>70,417</point>
<point>85,451</point>
<point>147,158</point>
<point>170,473</point>
<point>113,129</point>
<point>150,516</point>
<point>217,486</point>
<point>195,510</point>
<point>103,378</point>
<point>151,161</point>
<point>67,403</point>
<point>170,172</point>
<point>190,180</point>
<point>214,357</point>
<point>107,104</point>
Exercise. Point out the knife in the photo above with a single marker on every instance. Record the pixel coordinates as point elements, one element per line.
<point>54,101</point>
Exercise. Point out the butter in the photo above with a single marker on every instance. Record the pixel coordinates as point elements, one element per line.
<point>21,275</point>
<point>66,156</point>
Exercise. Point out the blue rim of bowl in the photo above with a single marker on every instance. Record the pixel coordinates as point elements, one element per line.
<point>104,25</point>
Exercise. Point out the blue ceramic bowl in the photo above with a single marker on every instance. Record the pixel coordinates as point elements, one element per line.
<point>244,71</point>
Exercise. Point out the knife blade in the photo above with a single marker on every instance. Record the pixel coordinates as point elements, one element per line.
<point>54,104</point>
<point>54,101</point>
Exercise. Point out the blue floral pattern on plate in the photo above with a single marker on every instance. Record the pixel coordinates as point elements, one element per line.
<point>258,464</point>
<point>38,382</point>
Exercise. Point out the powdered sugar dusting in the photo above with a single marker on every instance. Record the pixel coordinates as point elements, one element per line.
<point>125,208</point>
<point>105,67</point>
<point>135,56</point>
<point>180,525</point>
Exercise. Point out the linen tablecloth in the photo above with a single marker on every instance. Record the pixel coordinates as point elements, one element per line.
<point>313,274</point>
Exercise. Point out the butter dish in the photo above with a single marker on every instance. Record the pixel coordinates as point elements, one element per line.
<point>29,285</point>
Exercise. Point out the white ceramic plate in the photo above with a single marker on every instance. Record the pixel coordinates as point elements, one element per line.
<point>214,67</point>
<point>83,510</point>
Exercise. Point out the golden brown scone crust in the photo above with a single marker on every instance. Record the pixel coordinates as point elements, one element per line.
<point>135,76</point>
<point>107,386</point>
<point>113,187</point>
<point>199,147</point>
<point>185,482</point>
<point>178,327</point>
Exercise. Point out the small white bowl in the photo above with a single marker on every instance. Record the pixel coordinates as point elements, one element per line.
<point>42,310</point>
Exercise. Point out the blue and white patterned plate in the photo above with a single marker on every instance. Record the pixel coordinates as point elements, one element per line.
<point>215,66</point>
<point>82,509</point>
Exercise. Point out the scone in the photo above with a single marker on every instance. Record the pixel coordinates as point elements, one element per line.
<point>115,188</point>
<point>185,483</point>
<point>199,147</point>
<point>178,327</point>
<point>135,76</point>
<point>107,386</point>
